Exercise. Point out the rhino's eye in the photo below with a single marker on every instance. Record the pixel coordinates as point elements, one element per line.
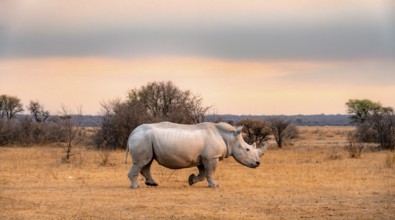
<point>248,149</point>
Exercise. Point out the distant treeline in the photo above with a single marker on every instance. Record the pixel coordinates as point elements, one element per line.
<point>300,120</point>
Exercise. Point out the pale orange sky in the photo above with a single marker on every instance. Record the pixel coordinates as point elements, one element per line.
<point>242,57</point>
<point>235,87</point>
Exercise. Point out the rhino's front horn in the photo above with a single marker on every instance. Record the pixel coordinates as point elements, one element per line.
<point>262,150</point>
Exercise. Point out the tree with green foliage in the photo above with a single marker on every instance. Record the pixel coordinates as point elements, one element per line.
<point>361,109</point>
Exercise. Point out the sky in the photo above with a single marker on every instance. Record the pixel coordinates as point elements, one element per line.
<point>242,57</point>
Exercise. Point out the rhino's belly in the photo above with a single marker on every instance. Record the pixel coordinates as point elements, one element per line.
<point>176,164</point>
<point>176,156</point>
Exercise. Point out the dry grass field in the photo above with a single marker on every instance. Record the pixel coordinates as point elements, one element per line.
<point>313,178</point>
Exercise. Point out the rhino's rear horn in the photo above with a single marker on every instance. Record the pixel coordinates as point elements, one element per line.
<point>262,150</point>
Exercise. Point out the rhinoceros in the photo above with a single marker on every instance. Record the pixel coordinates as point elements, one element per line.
<point>178,146</point>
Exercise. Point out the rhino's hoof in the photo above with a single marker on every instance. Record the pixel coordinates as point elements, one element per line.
<point>190,179</point>
<point>151,183</point>
<point>134,187</point>
<point>213,185</point>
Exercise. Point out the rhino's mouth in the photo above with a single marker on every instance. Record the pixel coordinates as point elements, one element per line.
<point>254,165</point>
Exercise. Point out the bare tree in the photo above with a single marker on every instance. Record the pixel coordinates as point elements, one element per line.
<point>156,101</point>
<point>70,129</point>
<point>10,106</point>
<point>165,101</point>
<point>196,109</point>
<point>282,129</point>
<point>38,112</point>
<point>255,131</point>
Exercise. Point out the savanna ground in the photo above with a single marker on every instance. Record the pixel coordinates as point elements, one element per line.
<point>310,178</point>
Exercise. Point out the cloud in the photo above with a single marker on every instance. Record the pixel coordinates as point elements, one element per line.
<point>221,41</point>
<point>351,73</point>
<point>305,34</point>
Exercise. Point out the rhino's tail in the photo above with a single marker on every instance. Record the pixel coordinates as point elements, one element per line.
<point>127,149</point>
<point>126,154</point>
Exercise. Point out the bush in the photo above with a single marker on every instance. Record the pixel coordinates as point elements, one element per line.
<point>8,132</point>
<point>119,120</point>
<point>383,123</point>
<point>354,148</point>
<point>25,131</point>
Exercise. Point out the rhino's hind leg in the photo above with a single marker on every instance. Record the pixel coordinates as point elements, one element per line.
<point>143,167</point>
<point>194,179</point>
<point>146,172</point>
<point>133,174</point>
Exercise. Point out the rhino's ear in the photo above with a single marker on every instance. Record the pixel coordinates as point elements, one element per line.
<point>254,145</point>
<point>238,130</point>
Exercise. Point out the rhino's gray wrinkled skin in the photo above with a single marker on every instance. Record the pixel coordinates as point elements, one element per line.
<point>179,146</point>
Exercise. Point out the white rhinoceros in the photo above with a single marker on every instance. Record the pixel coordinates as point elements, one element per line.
<point>179,146</point>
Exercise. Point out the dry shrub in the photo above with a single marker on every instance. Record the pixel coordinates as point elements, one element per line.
<point>330,134</point>
<point>354,148</point>
<point>80,160</point>
<point>335,156</point>
<point>390,160</point>
<point>104,156</point>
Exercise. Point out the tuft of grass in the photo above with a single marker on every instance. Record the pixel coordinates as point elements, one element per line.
<point>355,150</point>
<point>104,156</point>
<point>335,156</point>
<point>390,160</point>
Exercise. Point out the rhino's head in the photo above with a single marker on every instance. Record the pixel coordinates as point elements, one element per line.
<point>244,153</point>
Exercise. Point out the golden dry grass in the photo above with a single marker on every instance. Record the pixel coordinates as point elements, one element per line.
<point>310,178</point>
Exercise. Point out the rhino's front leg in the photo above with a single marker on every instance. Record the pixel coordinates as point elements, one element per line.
<point>194,179</point>
<point>210,166</point>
